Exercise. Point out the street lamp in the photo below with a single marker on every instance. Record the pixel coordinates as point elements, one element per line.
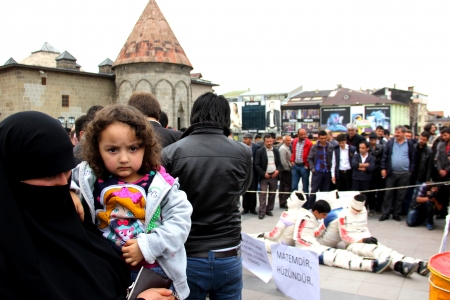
<point>63,121</point>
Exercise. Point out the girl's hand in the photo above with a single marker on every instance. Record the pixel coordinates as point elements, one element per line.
<point>78,206</point>
<point>132,253</point>
<point>156,294</point>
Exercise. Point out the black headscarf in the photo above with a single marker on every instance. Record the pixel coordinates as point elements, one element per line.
<point>46,252</point>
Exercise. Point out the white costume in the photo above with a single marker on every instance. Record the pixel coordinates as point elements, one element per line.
<point>308,228</point>
<point>284,230</point>
<point>350,224</point>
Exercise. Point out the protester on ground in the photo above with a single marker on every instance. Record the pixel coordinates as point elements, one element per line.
<point>214,171</point>
<point>319,160</point>
<point>354,232</point>
<point>54,255</point>
<point>268,165</point>
<point>286,172</point>
<point>136,205</point>
<point>147,104</point>
<point>341,164</point>
<point>309,226</point>
<point>283,233</point>
<point>249,198</point>
<point>397,165</point>
<point>299,160</point>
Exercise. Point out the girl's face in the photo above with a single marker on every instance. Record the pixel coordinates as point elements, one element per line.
<point>121,151</point>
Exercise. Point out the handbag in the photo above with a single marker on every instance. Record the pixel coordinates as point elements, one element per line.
<point>145,280</point>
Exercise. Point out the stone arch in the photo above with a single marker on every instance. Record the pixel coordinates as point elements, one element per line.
<point>125,91</point>
<point>181,97</point>
<point>163,91</point>
<point>144,86</point>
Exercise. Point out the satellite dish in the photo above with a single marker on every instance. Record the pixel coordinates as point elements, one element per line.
<point>346,97</point>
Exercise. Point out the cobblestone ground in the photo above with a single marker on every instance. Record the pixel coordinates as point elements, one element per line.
<point>337,284</point>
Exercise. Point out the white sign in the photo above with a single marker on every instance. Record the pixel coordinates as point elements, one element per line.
<point>296,272</point>
<point>255,258</point>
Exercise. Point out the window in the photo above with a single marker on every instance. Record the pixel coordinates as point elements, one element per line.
<point>65,101</point>
<point>44,80</point>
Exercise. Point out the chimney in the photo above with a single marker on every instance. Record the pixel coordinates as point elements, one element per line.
<point>411,88</point>
<point>395,86</point>
<point>317,91</point>
<point>106,67</point>
<point>66,61</point>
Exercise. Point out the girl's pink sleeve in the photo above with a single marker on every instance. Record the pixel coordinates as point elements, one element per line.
<point>169,179</point>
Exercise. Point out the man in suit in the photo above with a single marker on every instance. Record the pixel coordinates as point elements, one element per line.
<point>147,104</point>
<point>267,164</point>
<point>249,199</point>
<point>273,118</point>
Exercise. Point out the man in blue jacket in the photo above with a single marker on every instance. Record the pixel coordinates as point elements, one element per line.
<point>397,165</point>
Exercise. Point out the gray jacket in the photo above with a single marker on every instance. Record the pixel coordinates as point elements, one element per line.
<point>165,244</point>
<point>285,157</point>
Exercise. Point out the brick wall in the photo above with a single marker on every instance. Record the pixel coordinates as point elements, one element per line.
<point>170,83</point>
<point>21,89</point>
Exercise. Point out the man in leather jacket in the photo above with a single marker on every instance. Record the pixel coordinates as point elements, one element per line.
<point>214,171</point>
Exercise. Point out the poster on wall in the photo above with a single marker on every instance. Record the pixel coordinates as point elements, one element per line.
<point>273,116</point>
<point>236,120</point>
<point>335,119</point>
<point>356,114</point>
<point>295,118</point>
<point>378,115</point>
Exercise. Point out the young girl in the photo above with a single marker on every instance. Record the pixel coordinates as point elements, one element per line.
<point>137,206</point>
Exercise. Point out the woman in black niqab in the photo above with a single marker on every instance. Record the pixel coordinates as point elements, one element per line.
<point>46,252</point>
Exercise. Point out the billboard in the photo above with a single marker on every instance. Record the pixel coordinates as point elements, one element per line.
<point>273,116</point>
<point>253,116</point>
<point>295,118</point>
<point>378,115</point>
<point>335,119</point>
<point>236,119</point>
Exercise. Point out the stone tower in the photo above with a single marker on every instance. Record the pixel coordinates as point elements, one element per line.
<point>152,60</point>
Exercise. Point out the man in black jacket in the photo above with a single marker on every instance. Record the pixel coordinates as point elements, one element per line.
<point>147,104</point>
<point>268,166</point>
<point>375,199</point>
<point>249,198</point>
<point>214,171</point>
<point>353,138</point>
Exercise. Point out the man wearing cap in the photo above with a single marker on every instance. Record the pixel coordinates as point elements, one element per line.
<point>354,232</point>
<point>249,198</point>
<point>375,199</point>
<point>353,138</point>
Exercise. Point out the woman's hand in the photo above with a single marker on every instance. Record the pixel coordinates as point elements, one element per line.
<point>156,294</point>
<point>78,206</point>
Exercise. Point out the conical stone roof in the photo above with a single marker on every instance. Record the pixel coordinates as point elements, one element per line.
<point>152,40</point>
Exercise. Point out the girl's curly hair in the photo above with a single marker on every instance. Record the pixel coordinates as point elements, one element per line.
<point>136,120</point>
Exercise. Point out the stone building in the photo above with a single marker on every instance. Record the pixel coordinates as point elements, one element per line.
<point>151,60</point>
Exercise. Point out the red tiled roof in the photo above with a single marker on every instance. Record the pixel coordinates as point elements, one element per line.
<point>152,40</point>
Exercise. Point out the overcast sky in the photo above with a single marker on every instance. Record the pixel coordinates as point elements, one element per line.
<point>258,44</point>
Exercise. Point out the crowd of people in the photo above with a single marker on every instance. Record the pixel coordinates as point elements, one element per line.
<point>122,192</point>
<point>399,175</point>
